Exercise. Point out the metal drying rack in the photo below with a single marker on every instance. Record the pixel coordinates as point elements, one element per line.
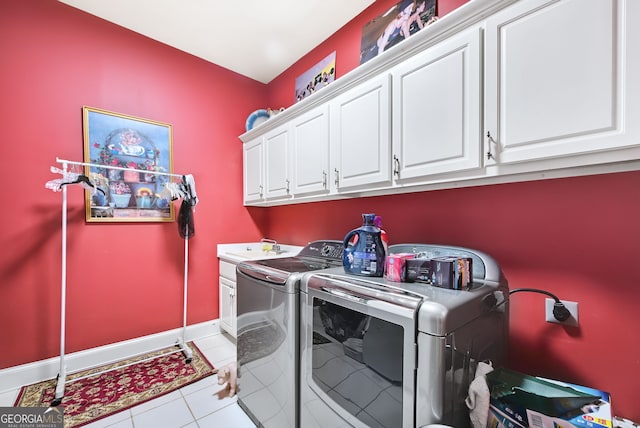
<point>180,342</point>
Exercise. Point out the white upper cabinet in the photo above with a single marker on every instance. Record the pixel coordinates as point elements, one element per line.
<point>266,167</point>
<point>494,92</point>
<point>360,136</point>
<point>561,79</point>
<point>436,109</point>
<point>276,156</point>
<point>310,152</point>
<point>253,168</point>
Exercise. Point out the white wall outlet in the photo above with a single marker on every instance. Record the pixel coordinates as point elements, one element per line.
<point>571,306</point>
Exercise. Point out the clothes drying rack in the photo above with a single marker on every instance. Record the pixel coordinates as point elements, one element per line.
<point>179,343</point>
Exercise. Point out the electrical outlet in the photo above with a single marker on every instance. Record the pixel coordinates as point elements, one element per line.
<point>571,306</point>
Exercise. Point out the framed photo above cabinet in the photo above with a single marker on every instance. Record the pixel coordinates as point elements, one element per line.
<point>397,24</point>
<point>139,149</point>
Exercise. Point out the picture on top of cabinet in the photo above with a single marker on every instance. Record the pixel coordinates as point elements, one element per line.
<point>136,154</point>
<point>395,25</point>
<point>317,77</point>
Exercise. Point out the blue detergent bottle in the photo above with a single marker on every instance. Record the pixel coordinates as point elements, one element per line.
<point>364,255</point>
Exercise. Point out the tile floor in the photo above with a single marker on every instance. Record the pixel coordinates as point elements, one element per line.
<point>195,406</point>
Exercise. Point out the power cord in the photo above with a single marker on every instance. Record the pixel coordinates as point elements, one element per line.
<point>560,311</point>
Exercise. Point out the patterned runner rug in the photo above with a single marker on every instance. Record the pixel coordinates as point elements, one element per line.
<point>95,397</point>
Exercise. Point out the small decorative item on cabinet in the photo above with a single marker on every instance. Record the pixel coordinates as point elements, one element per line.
<point>273,112</point>
<point>256,118</point>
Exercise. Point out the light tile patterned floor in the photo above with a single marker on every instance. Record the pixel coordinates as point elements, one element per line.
<point>196,405</point>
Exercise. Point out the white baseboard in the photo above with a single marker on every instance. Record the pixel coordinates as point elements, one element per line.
<point>15,377</point>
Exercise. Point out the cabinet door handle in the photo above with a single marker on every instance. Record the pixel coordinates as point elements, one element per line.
<point>287,181</point>
<point>261,192</point>
<point>337,180</point>
<point>396,166</point>
<point>324,179</point>
<point>490,141</point>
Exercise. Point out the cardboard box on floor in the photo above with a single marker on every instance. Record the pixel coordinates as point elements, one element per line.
<point>520,401</point>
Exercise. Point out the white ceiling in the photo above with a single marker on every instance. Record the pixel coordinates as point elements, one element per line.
<point>256,38</point>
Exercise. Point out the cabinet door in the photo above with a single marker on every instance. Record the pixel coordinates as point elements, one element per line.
<point>276,152</point>
<point>253,171</point>
<point>360,136</point>
<point>228,306</point>
<point>227,270</point>
<point>436,109</point>
<point>562,79</point>
<point>310,152</point>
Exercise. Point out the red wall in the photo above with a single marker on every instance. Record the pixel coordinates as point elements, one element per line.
<point>124,280</point>
<point>568,236</point>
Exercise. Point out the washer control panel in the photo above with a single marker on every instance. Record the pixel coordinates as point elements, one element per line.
<point>323,249</point>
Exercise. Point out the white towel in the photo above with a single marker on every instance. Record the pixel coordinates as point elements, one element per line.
<point>479,396</point>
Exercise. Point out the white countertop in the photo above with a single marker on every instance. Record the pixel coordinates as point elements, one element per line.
<point>239,252</point>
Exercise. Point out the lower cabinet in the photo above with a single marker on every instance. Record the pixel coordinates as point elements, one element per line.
<point>228,306</point>
<point>228,309</point>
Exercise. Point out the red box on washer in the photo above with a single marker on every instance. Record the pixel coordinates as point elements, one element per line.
<point>395,266</point>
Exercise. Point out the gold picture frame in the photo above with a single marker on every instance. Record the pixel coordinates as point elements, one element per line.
<point>137,155</point>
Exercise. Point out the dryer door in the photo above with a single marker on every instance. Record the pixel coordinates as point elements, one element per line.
<point>358,354</point>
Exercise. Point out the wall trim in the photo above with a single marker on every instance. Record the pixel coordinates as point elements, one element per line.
<point>15,377</point>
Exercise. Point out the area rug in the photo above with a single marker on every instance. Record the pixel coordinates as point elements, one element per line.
<point>95,397</point>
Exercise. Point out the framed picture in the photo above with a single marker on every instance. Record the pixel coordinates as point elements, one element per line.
<point>316,78</point>
<point>127,143</point>
<point>400,22</point>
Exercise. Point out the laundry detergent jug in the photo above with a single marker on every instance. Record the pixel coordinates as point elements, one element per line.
<point>364,251</point>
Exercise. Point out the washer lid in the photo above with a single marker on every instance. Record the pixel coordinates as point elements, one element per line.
<point>295,264</point>
<point>285,271</point>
